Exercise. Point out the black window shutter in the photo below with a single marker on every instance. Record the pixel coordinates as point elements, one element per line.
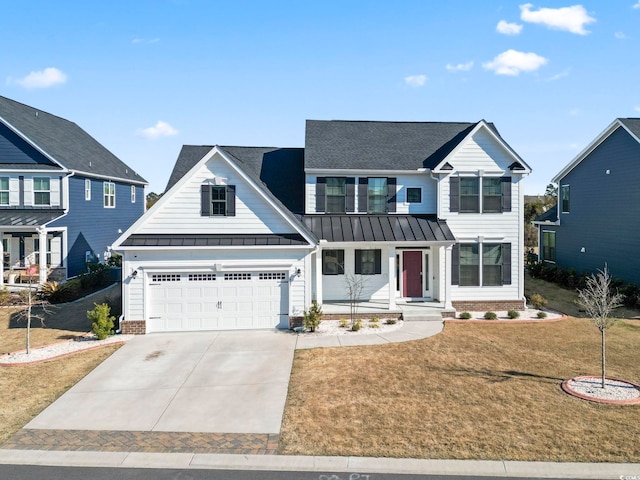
<point>321,184</point>
<point>506,264</point>
<point>231,200</point>
<point>454,194</point>
<point>205,200</point>
<point>378,261</point>
<point>391,195</point>
<point>350,184</point>
<point>341,260</point>
<point>455,265</point>
<point>506,194</point>
<point>363,194</point>
<point>358,266</point>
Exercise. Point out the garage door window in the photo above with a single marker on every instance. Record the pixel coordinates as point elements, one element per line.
<point>202,277</point>
<point>164,277</point>
<point>237,276</point>
<point>272,276</point>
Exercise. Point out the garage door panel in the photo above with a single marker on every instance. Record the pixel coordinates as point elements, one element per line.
<point>194,301</point>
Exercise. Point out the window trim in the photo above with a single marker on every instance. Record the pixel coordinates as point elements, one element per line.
<point>477,196</point>
<point>485,195</point>
<point>87,189</point>
<point>565,198</point>
<point>383,196</point>
<point>7,191</point>
<point>343,195</point>
<point>542,247</point>
<point>411,202</point>
<point>339,261</point>
<point>506,276</point>
<point>108,194</point>
<point>377,261</point>
<point>47,191</point>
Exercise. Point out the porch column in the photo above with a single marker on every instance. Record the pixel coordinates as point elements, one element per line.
<point>42,267</point>
<point>392,278</point>
<point>319,277</point>
<point>447,276</point>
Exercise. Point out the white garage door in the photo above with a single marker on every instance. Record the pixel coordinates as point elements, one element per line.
<point>217,301</point>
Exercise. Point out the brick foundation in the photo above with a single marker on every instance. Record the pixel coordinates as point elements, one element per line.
<point>133,327</point>
<point>488,305</point>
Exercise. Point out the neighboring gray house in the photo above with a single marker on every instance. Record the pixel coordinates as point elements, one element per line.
<point>596,220</point>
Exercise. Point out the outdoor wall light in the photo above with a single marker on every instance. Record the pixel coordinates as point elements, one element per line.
<point>298,272</point>
<point>134,274</point>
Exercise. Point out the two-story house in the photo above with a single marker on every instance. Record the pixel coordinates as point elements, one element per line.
<point>596,222</point>
<point>64,197</point>
<point>248,237</point>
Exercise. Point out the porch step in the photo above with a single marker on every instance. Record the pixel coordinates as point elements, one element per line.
<point>422,317</point>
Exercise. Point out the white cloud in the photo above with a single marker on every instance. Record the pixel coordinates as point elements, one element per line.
<point>558,76</point>
<point>637,108</point>
<point>620,36</point>
<point>145,40</point>
<point>507,28</point>
<point>571,19</point>
<point>460,67</point>
<point>513,62</point>
<point>415,80</point>
<point>637,5</point>
<point>574,111</point>
<point>160,129</point>
<point>43,79</point>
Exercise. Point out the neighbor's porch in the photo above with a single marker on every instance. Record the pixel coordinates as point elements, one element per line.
<point>31,256</point>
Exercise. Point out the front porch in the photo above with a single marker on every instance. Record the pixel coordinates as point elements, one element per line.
<point>405,310</point>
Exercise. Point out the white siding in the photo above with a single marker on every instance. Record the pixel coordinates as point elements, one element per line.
<point>181,213</point>
<point>483,155</point>
<point>375,287</point>
<point>421,180</point>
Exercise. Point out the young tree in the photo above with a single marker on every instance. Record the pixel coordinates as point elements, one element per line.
<point>355,286</point>
<point>28,298</point>
<point>551,191</point>
<point>599,301</point>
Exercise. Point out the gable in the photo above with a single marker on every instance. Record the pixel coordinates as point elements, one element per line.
<point>180,212</point>
<point>14,150</point>
<point>481,151</point>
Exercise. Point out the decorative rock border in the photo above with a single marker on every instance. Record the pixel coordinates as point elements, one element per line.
<point>631,398</point>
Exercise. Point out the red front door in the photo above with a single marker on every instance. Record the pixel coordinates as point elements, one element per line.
<point>412,274</point>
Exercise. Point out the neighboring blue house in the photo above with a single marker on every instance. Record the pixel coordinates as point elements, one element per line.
<point>596,220</point>
<point>64,198</point>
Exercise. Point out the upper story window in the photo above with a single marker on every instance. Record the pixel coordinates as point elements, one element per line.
<point>41,191</point>
<point>4,190</point>
<point>414,195</point>
<point>133,194</point>
<point>377,195</point>
<point>218,200</point>
<point>336,192</point>
<point>109,194</point>
<point>469,195</point>
<point>87,189</point>
<point>491,195</point>
<point>480,194</point>
<point>565,197</point>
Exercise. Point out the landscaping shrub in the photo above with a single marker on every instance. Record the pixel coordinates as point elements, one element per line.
<point>391,321</point>
<point>357,325</point>
<point>542,315</point>
<point>465,315</point>
<point>63,292</point>
<point>101,320</point>
<point>313,317</point>
<point>95,277</point>
<point>374,320</point>
<point>5,296</point>
<point>513,314</point>
<point>344,323</point>
<point>490,316</point>
<point>538,301</point>
<point>374,325</point>
<point>115,260</point>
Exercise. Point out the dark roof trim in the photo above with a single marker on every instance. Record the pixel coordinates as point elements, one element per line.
<point>379,228</point>
<point>214,240</point>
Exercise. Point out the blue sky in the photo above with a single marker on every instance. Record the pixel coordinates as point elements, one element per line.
<point>146,77</point>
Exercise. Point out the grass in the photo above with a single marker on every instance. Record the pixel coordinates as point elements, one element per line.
<point>475,391</point>
<point>28,389</point>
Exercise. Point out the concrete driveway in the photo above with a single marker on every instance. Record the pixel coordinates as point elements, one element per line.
<point>225,382</point>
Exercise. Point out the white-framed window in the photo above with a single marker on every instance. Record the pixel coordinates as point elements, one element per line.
<point>491,195</point>
<point>469,195</point>
<point>377,195</point>
<point>368,262</point>
<point>4,190</point>
<point>565,197</point>
<point>109,195</point>
<point>41,191</point>
<point>133,194</point>
<point>336,195</point>
<point>548,246</point>
<point>87,189</point>
<point>414,195</point>
<point>481,264</point>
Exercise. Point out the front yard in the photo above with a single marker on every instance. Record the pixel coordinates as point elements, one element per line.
<point>475,391</point>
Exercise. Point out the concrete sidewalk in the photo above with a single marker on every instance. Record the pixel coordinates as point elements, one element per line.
<point>600,471</point>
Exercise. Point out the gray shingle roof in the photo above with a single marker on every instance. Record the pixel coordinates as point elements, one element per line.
<point>65,141</point>
<point>381,145</point>
<point>550,215</point>
<point>633,124</point>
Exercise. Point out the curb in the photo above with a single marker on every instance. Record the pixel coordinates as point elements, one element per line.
<point>567,389</point>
